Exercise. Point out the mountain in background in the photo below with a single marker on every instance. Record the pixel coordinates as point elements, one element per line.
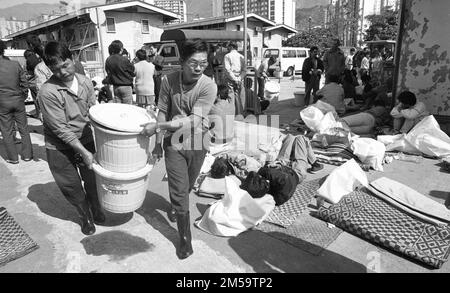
<point>301,4</point>
<point>29,11</point>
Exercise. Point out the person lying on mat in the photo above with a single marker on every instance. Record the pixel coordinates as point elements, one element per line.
<point>286,172</point>
<point>365,122</point>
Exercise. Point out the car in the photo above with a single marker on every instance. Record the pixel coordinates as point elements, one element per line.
<point>17,55</point>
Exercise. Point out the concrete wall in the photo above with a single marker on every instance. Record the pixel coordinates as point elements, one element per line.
<point>424,65</point>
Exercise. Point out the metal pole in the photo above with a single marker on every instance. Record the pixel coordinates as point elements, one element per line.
<point>100,43</point>
<point>245,32</point>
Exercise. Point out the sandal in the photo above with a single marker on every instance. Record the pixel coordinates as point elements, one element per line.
<point>12,162</point>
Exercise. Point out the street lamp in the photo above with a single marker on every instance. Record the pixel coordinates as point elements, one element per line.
<point>309,22</point>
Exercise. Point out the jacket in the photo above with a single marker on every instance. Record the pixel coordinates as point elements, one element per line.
<point>307,66</point>
<point>120,71</point>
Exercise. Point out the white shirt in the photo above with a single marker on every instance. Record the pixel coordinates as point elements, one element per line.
<point>349,62</point>
<point>74,86</point>
<point>235,66</point>
<point>365,64</point>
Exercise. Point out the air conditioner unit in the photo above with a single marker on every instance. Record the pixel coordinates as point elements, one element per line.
<point>258,29</point>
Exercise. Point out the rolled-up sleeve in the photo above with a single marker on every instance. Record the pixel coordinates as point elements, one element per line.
<point>54,115</point>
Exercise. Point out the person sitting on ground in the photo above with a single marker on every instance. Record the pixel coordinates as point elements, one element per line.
<point>285,173</point>
<point>373,91</point>
<point>408,112</point>
<point>364,123</point>
<point>333,94</point>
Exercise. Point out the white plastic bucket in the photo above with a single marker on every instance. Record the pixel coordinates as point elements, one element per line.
<point>122,193</point>
<point>271,90</point>
<point>121,152</point>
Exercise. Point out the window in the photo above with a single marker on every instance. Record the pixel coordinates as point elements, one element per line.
<point>270,36</point>
<point>238,27</point>
<point>145,26</point>
<point>301,54</point>
<point>91,54</point>
<point>271,53</point>
<point>110,25</point>
<point>169,51</point>
<point>289,54</point>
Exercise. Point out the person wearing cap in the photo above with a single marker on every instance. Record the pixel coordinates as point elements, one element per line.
<point>65,100</point>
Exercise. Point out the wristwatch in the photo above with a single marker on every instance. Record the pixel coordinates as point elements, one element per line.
<point>158,129</point>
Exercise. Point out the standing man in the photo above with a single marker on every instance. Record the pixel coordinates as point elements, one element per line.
<point>120,73</point>
<point>65,100</point>
<point>185,100</point>
<point>311,73</point>
<point>13,93</point>
<point>235,71</point>
<point>334,61</point>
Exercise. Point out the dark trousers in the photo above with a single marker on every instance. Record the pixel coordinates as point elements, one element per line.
<point>183,168</point>
<point>12,112</point>
<point>65,168</point>
<point>311,86</point>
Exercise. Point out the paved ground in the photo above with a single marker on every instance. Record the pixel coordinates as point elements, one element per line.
<point>145,241</point>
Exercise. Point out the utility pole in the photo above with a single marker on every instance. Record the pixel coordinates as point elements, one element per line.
<point>245,32</point>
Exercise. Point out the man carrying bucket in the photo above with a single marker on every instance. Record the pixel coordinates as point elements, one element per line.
<point>65,100</point>
<point>185,100</point>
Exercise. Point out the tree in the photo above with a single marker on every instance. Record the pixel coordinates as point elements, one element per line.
<point>320,37</point>
<point>383,26</point>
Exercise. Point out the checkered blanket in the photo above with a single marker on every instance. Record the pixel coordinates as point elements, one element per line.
<point>14,242</point>
<point>287,213</point>
<point>375,220</point>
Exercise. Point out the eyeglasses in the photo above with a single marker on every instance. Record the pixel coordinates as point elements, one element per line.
<point>194,64</point>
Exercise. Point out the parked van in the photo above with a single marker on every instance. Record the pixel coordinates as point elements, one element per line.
<point>289,59</point>
<point>17,55</point>
<point>168,47</point>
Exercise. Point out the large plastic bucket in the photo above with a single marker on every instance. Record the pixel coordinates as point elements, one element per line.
<point>299,100</point>
<point>120,152</point>
<point>121,193</point>
<point>271,90</point>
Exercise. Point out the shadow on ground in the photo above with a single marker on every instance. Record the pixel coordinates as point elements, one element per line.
<point>118,245</point>
<point>153,209</point>
<point>442,195</point>
<point>267,255</point>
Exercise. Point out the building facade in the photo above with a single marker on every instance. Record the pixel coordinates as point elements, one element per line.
<point>10,26</point>
<point>133,22</point>
<point>278,11</point>
<point>176,6</point>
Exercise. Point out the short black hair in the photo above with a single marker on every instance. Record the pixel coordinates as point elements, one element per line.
<point>334,78</point>
<point>118,42</point>
<point>141,55</point>
<point>114,48</point>
<point>220,168</point>
<point>352,50</point>
<point>28,53</point>
<point>233,45</point>
<point>55,52</point>
<point>407,98</point>
<point>2,47</point>
<point>190,47</point>
<point>255,185</point>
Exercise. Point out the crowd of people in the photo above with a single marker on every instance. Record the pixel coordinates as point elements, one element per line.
<point>182,101</point>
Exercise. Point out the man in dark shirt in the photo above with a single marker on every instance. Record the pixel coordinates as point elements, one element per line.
<point>65,100</point>
<point>311,73</point>
<point>13,92</point>
<point>120,74</point>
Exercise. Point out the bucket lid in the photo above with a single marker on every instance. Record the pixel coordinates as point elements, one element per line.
<point>122,176</point>
<point>272,87</point>
<point>120,117</point>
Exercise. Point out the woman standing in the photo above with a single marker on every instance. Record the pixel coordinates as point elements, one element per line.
<point>185,100</point>
<point>143,83</point>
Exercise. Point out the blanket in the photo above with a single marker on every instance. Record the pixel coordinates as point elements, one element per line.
<point>364,215</point>
<point>335,154</point>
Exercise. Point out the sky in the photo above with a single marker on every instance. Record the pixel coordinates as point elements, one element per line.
<point>9,3</point>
